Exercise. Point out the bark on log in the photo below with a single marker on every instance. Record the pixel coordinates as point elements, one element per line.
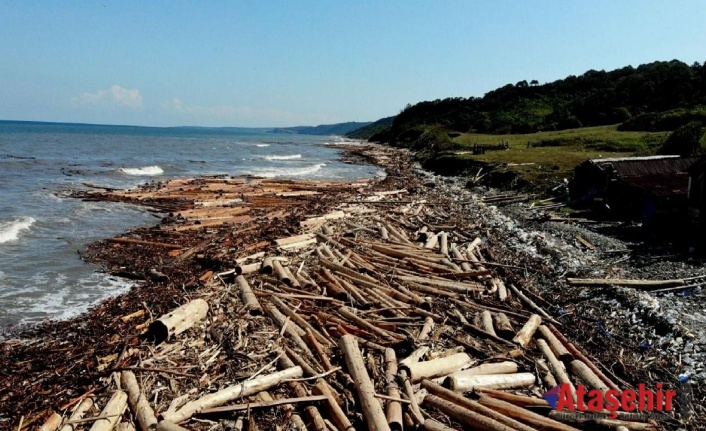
<point>314,420</point>
<point>417,371</point>
<point>518,400</point>
<point>524,336</point>
<point>582,371</point>
<point>580,356</point>
<point>112,412</point>
<point>467,417</point>
<point>230,393</point>
<point>290,328</point>
<point>393,411</point>
<point>504,327</point>
<point>178,320</point>
<point>432,425</point>
<point>338,416</point>
<point>138,402</point>
<point>374,416</point>
<point>469,404</point>
<point>248,297</point>
<point>523,415</point>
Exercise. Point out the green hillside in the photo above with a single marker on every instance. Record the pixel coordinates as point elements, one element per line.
<point>324,129</point>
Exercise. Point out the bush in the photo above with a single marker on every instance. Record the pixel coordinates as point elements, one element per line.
<point>687,140</point>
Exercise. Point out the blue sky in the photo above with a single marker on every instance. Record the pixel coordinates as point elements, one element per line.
<point>283,63</point>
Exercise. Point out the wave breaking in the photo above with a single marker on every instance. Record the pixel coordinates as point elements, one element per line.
<point>11,231</point>
<point>146,170</point>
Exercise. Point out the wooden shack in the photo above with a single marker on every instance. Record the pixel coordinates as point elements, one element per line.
<point>638,188</point>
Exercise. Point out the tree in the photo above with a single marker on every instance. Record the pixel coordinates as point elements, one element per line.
<point>534,83</point>
<point>522,84</point>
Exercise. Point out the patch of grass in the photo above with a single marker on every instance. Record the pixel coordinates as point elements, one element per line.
<point>547,156</point>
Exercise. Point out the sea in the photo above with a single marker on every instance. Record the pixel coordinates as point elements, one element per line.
<point>43,230</point>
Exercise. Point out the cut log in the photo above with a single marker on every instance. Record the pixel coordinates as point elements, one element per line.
<point>169,426</point>
<point>52,423</point>
<point>393,411</point>
<point>467,417</point>
<point>503,326</point>
<point>576,353</point>
<point>524,336</point>
<point>372,411</point>
<point>111,413</point>
<point>138,402</point>
<point>436,367</point>
<point>582,371</point>
<point>487,322</point>
<point>456,379</point>
<point>466,383</point>
<point>178,320</point>
<point>252,305</point>
<point>230,393</point>
<point>556,365</point>
<point>557,347</point>
<point>471,405</point>
<point>523,415</point>
<point>518,400</point>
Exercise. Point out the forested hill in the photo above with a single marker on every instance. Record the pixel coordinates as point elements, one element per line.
<point>638,97</point>
<point>324,129</point>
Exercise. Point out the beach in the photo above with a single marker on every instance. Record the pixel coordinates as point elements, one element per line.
<point>328,281</point>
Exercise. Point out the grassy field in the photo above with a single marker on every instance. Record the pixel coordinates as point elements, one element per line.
<point>549,156</point>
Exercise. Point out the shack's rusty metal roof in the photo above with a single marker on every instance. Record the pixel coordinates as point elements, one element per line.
<point>646,166</point>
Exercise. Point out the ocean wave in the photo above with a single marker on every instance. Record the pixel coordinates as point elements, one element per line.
<point>10,231</point>
<point>146,170</point>
<point>292,172</point>
<point>262,145</point>
<point>289,157</point>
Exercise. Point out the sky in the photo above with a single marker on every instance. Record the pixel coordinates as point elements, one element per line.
<point>286,63</point>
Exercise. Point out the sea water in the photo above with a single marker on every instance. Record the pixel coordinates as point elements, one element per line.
<point>42,230</point>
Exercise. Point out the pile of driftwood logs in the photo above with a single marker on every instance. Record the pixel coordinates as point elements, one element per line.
<point>366,318</point>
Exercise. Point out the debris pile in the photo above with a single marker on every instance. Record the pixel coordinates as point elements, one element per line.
<point>273,304</point>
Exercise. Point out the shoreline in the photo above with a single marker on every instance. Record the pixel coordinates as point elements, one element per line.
<point>82,336</point>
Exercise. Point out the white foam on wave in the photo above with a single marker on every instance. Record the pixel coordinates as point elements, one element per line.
<point>11,230</point>
<point>262,145</point>
<point>292,172</point>
<point>146,170</point>
<point>289,157</point>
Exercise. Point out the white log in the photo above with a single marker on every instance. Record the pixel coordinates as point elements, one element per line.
<point>437,367</point>
<point>52,423</point>
<point>431,241</point>
<point>415,356</point>
<point>178,320</point>
<point>244,389</point>
<point>112,412</point>
<point>139,404</point>
<point>493,381</point>
<point>524,336</point>
<point>372,410</point>
<point>505,367</point>
<point>125,426</point>
<point>487,322</point>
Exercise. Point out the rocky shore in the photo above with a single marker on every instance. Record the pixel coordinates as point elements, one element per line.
<point>352,292</point>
